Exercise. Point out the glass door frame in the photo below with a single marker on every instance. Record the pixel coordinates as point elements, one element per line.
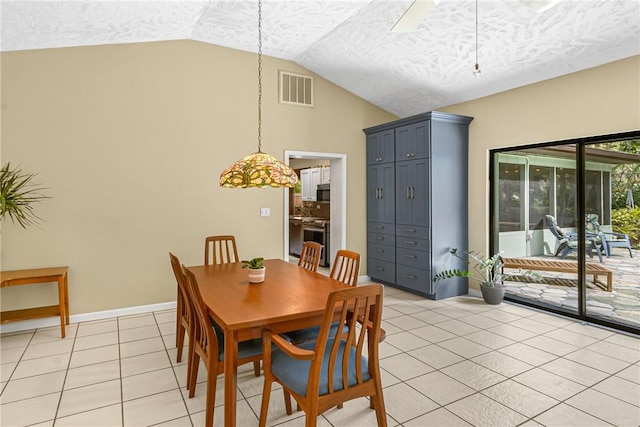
<point>580,144</point>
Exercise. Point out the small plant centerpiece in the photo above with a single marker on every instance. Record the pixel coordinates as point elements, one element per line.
<point>490,272</point>
<point>256,269</point>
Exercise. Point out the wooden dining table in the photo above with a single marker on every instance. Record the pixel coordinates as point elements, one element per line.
<point>290,298</point>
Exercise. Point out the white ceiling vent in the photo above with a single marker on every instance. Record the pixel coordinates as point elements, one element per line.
<point>296,89</point>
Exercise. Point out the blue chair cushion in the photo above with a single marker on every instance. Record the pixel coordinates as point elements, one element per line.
<point>245,348</point>
<point>294,373</point>
<point>311,334</point>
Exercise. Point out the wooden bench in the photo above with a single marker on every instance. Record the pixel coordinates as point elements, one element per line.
<point>38,275</point>
<point>561,266</point>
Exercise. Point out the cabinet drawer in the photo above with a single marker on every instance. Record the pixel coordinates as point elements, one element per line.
<point>412,258</point>
<point>411,231</point>
<point>382,228</point>
<point>414,278</point>
<point>383,239</point>
<point>412,243</point>
<point>381,270</point>
<point>381,252</point>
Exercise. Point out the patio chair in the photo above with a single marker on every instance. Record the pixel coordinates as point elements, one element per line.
<point>568,242</point>
<point>609,238</point>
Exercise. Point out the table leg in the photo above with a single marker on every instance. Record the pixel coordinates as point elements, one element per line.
<point>230,377</point>
<point>61,302</point>
<point>66,298</point>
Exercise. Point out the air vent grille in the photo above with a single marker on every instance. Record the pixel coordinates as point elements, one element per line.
<point>296,89</point>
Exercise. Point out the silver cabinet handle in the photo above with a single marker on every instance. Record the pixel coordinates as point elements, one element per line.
<point>410,276</point>
<point>413,196</point>
<point>380,250</point>
<point>408,192</point>
<point>410,230</point>
<point>381,193</point>
<point>379,227</point>
<point>379,238</point>
<point>411,242</point>
<point>410,256</point>
<point>379,268</point>
<point>408,154</point>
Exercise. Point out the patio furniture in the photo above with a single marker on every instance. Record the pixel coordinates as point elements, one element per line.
<point>609,238</point>
<point>568,242</point>
<point>563,267</point>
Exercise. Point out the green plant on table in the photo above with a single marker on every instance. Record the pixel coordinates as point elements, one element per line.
<point>254,263</point>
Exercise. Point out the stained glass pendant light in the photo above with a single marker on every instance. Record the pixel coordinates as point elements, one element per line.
<point>259,169</point>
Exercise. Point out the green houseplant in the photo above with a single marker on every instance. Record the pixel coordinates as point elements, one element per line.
<point>18,193</point>
<point>489,270</point>
<point>256,269</point>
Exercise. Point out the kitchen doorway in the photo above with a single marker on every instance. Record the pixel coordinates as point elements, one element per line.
<point>338,208</point>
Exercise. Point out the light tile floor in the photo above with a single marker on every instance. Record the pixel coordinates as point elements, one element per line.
<point>455,362</point>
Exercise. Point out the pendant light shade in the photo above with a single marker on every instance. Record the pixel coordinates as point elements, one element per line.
<point>259,169</point>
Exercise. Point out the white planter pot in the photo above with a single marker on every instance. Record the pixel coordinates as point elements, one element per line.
<point>256,275</point>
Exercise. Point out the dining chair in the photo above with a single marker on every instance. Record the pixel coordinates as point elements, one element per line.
<point>220,250</point>
<point>346,267</point>
<point>330,370</point>
<point>610,239</point>
<point>310,256</point>
<point>184,313</point>
<point>208,346</point>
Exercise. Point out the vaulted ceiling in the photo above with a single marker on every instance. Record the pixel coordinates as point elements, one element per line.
<point>349,42</point>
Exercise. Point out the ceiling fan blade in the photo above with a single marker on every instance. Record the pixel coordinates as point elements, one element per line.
<point>414,15</point>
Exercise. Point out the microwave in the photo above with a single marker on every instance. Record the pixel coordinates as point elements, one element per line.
<point>323,193</point>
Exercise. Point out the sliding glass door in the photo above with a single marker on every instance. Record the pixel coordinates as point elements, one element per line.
<point>567,211</point>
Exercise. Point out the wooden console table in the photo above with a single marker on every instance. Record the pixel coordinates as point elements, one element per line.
<point>38,275</point>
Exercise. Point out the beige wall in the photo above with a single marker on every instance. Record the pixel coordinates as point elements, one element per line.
<point>597,101</point>
<point>131,139</point>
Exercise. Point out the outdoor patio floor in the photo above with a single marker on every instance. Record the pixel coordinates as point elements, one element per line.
<point>622,305</point>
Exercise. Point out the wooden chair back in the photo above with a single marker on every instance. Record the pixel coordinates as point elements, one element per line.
<point>184,312</point>
<point>334,359</point>
<point>220,250</point>
<point>346,267</point>
<point>310,256</point>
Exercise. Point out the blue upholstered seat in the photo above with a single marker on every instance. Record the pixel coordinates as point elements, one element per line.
<point>295,373</point>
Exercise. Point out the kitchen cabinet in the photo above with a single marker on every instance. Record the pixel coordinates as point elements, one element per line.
<point>310,178</point>
<point>325,174</point>
<point>417,173</point>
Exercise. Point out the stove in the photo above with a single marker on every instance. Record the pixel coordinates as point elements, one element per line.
<point>317,230</point>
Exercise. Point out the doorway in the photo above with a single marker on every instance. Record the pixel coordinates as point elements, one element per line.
<point>338,207</point>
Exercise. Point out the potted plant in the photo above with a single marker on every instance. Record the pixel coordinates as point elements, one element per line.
<point>256,269</point>
<point>18,193</point>
<point>489,270</point>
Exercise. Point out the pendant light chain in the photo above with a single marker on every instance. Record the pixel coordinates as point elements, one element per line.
<point>259,76</point>
<point>476,70</point>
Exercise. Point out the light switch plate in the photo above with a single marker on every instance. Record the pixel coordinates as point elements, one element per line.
<point>265,211</point>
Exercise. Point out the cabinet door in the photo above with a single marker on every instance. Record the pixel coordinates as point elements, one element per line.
<point>316,179</point>
<point>305,177</point>
<point>413,141</point>
<point>412,193</point>
<point>380,147</point>
<point>326,176</point>
<point>380,193</point>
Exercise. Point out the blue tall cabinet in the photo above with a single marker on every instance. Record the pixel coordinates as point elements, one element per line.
<point>417,210</point>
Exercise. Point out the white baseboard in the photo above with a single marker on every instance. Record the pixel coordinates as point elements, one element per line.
<point>25,325</point>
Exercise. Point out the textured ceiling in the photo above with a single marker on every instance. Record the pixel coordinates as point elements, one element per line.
<point>349,42</point>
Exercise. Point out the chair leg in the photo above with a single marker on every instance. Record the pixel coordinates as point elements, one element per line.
<point>180,341</point>
<point>193,374</point>
<point>256,368</point>
<point>264,408</point>
<point>212,377</point>
<point>287,402</point>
